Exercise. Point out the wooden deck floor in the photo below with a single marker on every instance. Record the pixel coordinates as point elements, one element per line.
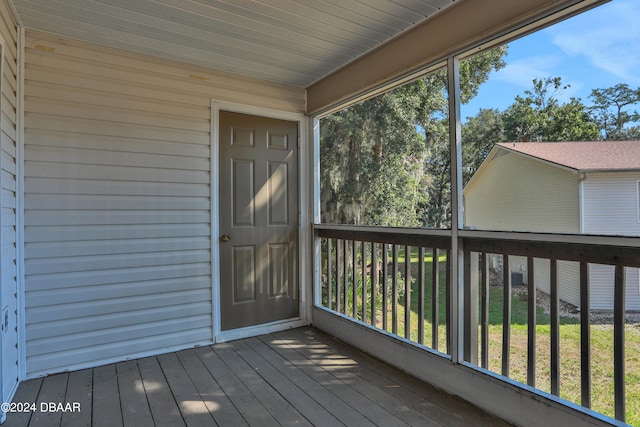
<point>298,377</point>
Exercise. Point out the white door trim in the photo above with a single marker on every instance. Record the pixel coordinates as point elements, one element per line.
<point>304,242</point>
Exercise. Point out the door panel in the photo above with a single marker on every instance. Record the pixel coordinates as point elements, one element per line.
<point>258,220</point>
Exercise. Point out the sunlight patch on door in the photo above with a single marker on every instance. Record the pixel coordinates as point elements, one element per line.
<point>244,267</point>
<point>278,270</point>
<point>278,190</point>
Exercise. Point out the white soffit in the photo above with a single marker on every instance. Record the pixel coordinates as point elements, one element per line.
<point>293,42</point>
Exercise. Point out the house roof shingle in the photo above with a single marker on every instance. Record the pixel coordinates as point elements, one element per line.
<point>583,156</point>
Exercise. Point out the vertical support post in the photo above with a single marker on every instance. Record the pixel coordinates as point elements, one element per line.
<point>618,343</point>
<point>456,263</point>
<point>531,324</point>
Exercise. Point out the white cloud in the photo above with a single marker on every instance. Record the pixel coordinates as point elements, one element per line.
<point>522,72</point>
<point>608,36</point>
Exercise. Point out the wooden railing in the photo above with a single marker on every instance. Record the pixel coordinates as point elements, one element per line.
<point>583,254</point>
<point>398,280</point>
<point>379,276</point>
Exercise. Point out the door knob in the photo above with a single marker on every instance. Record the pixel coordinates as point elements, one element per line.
<point>225,238</point>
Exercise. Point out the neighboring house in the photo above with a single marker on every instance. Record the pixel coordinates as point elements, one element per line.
<point>563,187</point>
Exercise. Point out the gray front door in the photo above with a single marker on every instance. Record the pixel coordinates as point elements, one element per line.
<point>258,220</point>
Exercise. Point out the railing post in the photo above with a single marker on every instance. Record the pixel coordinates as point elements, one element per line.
<point>394,290</point>
<point>485,310</point>
<point>555,329</point>
<point>338,277</point>
<point>470,308</point>
<point>364,281</point>
<point>354,280</point>
<point>618,343</point>
<point>383,283</point>
<point>506,315</point>
<point>345,274</point>
<point>407,292</point>
<point>421,295</point>
<point>374,283</point>
<point>531,323</point>
<point>435,299</point>
<point>585,336</point>
<point>329,275</point>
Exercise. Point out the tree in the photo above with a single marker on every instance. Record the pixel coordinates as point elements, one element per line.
<point>479,134</point>
<point>611,112</point>
<point>538,116</point>
<point>474,71</point>
<point>385,161</point>
<point>368,171</point>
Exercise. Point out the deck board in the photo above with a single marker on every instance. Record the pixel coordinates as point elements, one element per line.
<point>80,392</point>
<point>164,409</point>
<point>297,397</point>
<point>356,379</point>
<point>438,407</point>
<point>133,400</point>
<point>191,404</point>
<point>339,410</point>
<point>53,389</point>
<point>105,410</point>
<point>243,399</point>
<point>296,377</point>
<point>318,366</point>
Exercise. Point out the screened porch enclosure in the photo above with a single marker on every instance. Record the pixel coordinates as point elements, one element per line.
<point>111,206</point>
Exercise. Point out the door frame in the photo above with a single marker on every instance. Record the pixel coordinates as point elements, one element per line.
<point>304,234</point>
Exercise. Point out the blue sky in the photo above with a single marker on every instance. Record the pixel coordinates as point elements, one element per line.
<point>597,49</point>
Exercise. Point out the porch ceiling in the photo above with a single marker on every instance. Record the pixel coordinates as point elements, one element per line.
<point>294,42</point>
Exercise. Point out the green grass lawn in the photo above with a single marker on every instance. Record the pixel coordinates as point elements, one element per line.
<point>601,341</point>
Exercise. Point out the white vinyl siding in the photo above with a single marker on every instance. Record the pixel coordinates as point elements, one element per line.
<point>611,208</point>
<point>8,202</point>
<point>514,193</point>
<point>601,278</point>
<point>118,201</point>
<point>568,276</point>
<point>601,192</point>
<point>568,279</point>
